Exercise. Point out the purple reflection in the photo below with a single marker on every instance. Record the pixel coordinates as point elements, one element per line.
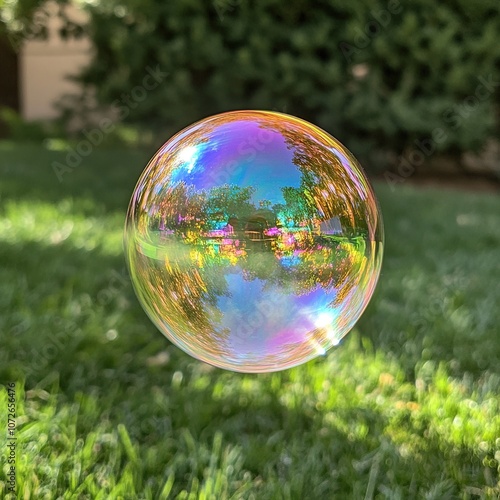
<point>242,153</point>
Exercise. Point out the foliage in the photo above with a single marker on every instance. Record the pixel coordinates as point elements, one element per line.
<point>406,407</point>
<point>32,131</point>
<point>229,200</point>
<point>377,74</point>
<point>373,73</point>
<point>28,19</point>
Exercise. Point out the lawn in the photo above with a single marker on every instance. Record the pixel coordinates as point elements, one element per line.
<point>407,406</point>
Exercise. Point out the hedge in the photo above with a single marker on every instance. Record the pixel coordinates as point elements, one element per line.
<point>377,74</point>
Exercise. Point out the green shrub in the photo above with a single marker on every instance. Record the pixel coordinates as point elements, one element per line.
<point>377,74</point>
<point>33,131</point>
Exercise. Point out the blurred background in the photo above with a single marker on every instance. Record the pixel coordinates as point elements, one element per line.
<point>395,80</point>
<point>407,406</point>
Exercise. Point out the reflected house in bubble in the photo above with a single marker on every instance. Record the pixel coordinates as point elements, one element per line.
<point>253,260</point>
<point>256,227</point>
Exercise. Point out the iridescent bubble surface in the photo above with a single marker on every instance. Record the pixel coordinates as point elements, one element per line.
<point>254,241</point>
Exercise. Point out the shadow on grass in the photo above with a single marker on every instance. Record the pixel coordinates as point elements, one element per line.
<point>71,321</point>
<point>439,288</point>
<point>107,177</point>
<point>76,297</point>
<point>438,295</point>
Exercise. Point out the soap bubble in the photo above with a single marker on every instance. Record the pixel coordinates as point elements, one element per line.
<point>253,240</point>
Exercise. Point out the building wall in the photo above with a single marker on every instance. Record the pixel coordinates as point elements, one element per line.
<point>44,66</point>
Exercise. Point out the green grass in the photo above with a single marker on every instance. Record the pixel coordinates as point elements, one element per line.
<point>408,406</point>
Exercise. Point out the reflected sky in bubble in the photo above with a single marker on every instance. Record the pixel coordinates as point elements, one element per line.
<point>254,241</point>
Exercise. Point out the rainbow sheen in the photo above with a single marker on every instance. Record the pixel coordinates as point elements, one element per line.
<point>254,241</point>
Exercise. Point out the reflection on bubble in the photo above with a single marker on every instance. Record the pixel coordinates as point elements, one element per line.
<point>254,241</point>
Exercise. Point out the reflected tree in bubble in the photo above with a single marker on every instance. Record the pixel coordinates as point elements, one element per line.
<point>254,241</point>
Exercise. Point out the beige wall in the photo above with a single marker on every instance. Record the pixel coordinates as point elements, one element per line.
<point>44,66</point>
